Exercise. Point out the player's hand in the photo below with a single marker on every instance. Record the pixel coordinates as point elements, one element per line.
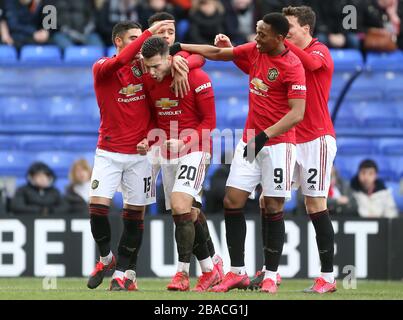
<point>155,28</point>
<point>179,64</point>
<point>222,41</point>
<point>143,147</point>
<point>180,84</point>
<point>343,200</point>
<point>174,145</point>
<point>254,146</point>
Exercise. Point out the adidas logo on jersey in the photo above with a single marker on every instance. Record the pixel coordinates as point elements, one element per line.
<point>186,184</point>
<point>279,187</point>
<point>312,187</point>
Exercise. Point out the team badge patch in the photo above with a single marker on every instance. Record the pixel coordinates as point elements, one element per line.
<point>95,184</point>
<point>272,74</point>
<point>137,72</point>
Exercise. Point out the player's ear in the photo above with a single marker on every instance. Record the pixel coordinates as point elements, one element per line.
<point>118,42</point>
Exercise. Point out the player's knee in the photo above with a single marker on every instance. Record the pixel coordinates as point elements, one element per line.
<point>274,205</point>
<point>179,207</point>
<point>315,204</point>
<point>230,202</point>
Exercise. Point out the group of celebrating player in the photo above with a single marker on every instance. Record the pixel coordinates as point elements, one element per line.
<point>157,112</point>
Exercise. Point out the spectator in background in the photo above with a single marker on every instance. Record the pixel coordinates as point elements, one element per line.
<point>380,22</point>
<point>4,31</point>
<point>77,193</point>
<point>109,12</point>
<point>147,8</point>
<point>38,196</point>
<point>75,24</point>
<point>267,6</point>
<point>341,200</point>
<point>206,20</point>
<point>373,198</point>
<point>240,20</point>
<point>184,4</point>
<point>24,19</point>
<point>329,25</point>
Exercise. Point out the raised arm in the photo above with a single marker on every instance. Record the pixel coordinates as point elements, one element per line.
<point>310,61</point>
<point>210,52</point>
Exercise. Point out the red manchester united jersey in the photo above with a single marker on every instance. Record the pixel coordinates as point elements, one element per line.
<point>318,64</point>
<point>125,116</point>
<point>184,118</point>
<point>272,81</point>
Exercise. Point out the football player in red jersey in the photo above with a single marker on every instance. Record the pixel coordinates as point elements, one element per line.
<point>266,153</point>
<point>185,125</point>
<point>316,144</point>
<point>316,138</point>
<point>125,121</point>
<point>194,61</point>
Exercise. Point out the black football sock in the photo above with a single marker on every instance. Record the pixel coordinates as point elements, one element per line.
<point>100,227</point>
<point>130,240</point>
<point>263,228</point>
<point>324,238</point>
<point>184,236</point>
<point>273,239</point>
<point>200,249</point>
<point>235,225</point>
<point>209,241</point>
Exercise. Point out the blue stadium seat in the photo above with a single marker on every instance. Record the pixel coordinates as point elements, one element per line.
<point>355,146</point>
<point>366,88</point>
<point>83,54</point>
<point>80,143</point>
<point>68,111</point>
<point>221,66</point>
<point>15,163</point>
<point>59,161</point>
<point>397,191</point>
<point>231,112</point>
<point>38,143</point>
<point>376,115</point>
<point>22,110</point>
<point>8,142</point>
<point>51,82</point>
<point>8,54</point>
<point>228,84</point>
<point>41,54</point>
<point>391,146</point>
<point>347,59</point>
<point>237,114</point>
<point>346,117</point>
<point>385,61</point>
<point>393,170</point>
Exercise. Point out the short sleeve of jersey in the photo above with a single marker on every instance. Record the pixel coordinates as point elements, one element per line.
<point>245,51</point>
<point>200,83</point>
<point>295,81</point>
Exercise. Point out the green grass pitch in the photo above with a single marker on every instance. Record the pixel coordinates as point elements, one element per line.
<point>154,289</point>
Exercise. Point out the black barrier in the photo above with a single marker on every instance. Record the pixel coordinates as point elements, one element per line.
<point>63,246</point>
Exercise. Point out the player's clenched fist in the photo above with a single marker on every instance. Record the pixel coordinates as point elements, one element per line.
<point>143,147</point>
<point>155,28</point>
<point>222,41</point>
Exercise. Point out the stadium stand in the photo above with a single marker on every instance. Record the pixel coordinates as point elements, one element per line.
<point>48,110</point>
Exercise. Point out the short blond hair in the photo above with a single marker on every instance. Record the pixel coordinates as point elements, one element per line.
<point>80,163</point>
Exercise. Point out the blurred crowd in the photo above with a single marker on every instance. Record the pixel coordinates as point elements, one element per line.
<point>90,22</point>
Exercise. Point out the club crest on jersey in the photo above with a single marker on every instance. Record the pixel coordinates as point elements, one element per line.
<point>95,184</point>
<point>272,74</point>
<point>259,85</point>
<point>166,103</point>
<point>131,89</point>
<point>137,72</point>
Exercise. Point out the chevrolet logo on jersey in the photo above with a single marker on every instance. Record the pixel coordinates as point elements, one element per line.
<point>131,89</point>
<point>259,85</point>
<point>166,103</point>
